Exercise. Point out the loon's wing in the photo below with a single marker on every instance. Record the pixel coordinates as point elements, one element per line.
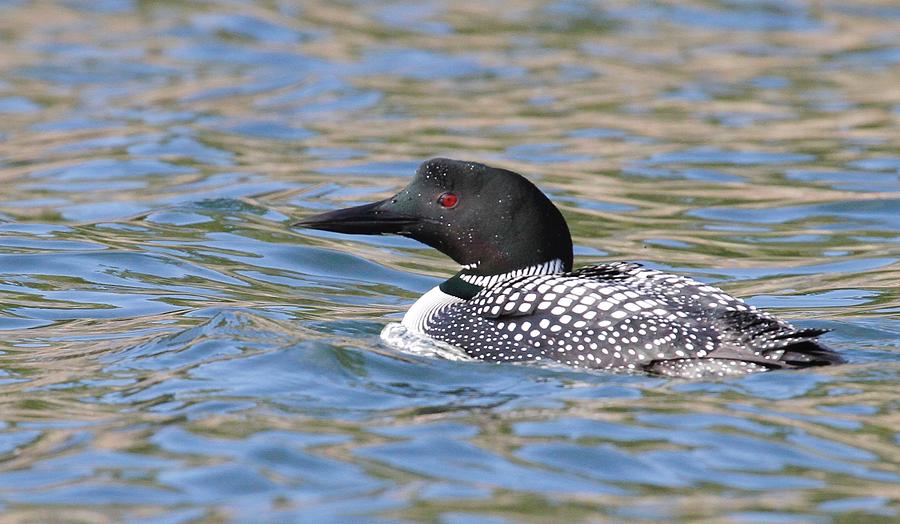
<point>741,326</point>
<point>623,316</point>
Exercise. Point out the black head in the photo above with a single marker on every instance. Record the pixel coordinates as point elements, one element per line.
<point>490,220</point>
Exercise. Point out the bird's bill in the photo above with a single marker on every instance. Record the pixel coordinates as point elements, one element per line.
<point>377,218</point>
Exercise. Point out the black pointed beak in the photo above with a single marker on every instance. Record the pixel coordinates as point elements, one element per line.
<point>376,218</point>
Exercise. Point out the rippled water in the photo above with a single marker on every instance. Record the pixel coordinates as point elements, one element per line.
<point>173,352</point>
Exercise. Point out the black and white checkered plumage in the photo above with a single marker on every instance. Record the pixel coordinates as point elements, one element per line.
<point>517,298</point>
<point>620,316</point>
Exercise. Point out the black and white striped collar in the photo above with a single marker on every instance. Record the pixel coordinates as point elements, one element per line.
<point>547,268</point>
<point>465,285</point>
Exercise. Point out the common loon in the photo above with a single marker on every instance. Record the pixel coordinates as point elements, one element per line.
<point>517,298</point>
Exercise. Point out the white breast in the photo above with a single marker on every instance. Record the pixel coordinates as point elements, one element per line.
<point>428,305</point>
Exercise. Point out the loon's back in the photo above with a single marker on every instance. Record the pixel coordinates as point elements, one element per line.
<point>622,316</point>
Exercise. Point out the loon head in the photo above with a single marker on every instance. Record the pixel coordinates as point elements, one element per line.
<point>490,220</point>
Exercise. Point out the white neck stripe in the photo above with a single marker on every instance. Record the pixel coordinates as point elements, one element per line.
<point>547,268</point>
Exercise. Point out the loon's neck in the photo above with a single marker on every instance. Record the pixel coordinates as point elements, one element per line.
<point>467,283</point>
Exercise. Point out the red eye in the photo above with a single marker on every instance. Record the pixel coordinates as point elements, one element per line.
<point>448,200</point>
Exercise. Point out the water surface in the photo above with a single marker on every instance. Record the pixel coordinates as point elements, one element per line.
<point>173,352</point>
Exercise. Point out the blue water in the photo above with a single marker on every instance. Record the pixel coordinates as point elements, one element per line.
<point>172,351</point>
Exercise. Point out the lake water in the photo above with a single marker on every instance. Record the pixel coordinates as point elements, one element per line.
<point>172,351</point>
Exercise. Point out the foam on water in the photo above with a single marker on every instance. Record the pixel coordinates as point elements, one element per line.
<point>398,337</point>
